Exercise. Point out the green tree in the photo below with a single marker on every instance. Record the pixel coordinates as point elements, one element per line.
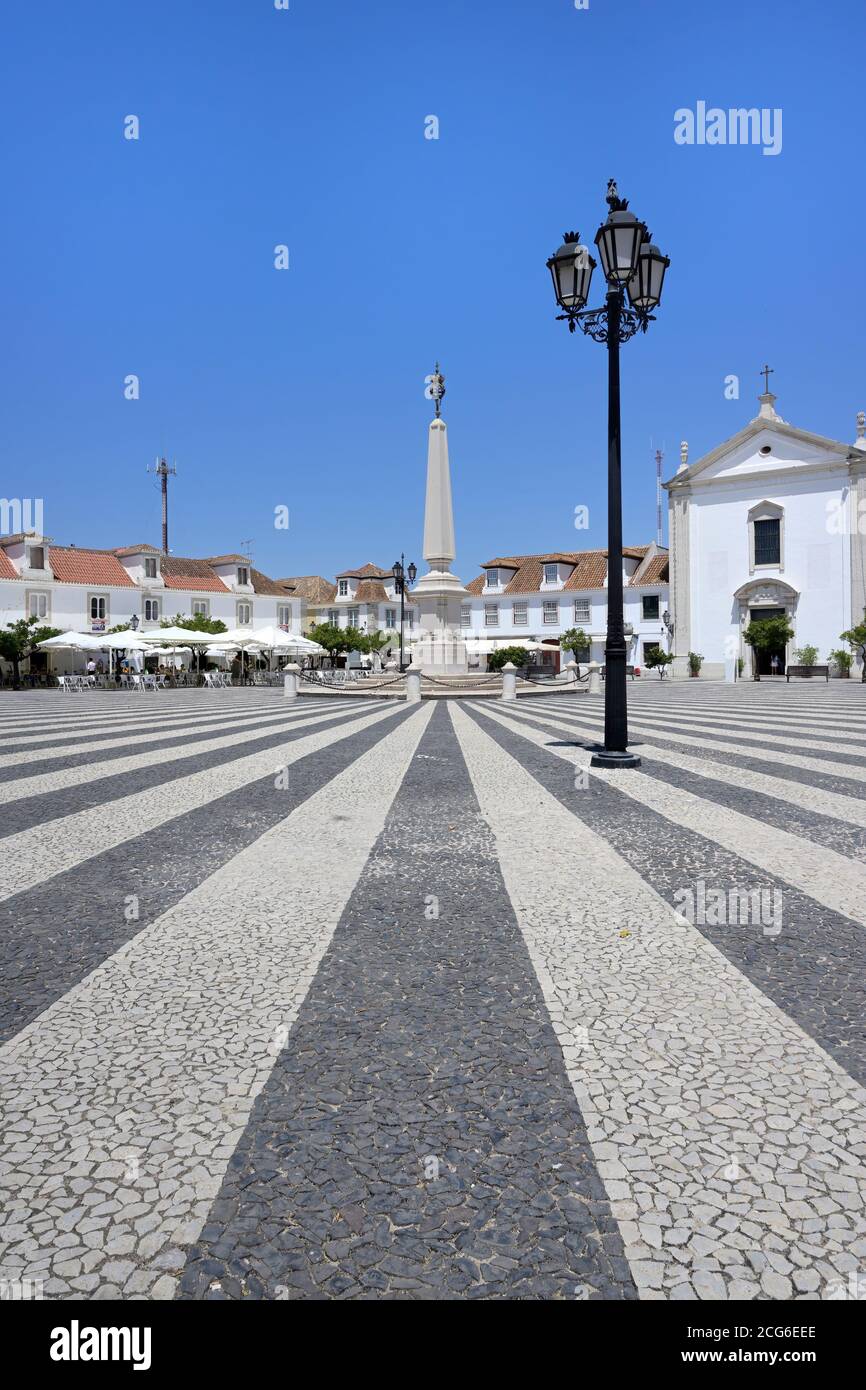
<point>856,639</point>
<point>576,641</point>
<point>806,656</point>
<point>658,660</point>
<point>519,656</point>
<point>197,623</point>
<point>18,642</point>
<point>339,639</point>
<point>767,634</point>
<point>843,661</point>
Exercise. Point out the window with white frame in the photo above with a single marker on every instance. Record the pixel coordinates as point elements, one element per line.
<point>243,575</point>
<point>201,608</point>
<point>284,615</point>
<point>244,614</point>
<point>150,567</point>
<point>520,614</point>
<point>581,610</point>
<point>98,608</point>
<point>491,615</point>
<point>37,557</point>
<point>151,610</point>
<point>334,617</point>
<point>551,574</point>
<point>343,588</point>
<point>37,605</point>
<point>390,617</point>
<point>465,615</point>
<point>353,617</point>
<point>551,611</point>
<point>493,579</point>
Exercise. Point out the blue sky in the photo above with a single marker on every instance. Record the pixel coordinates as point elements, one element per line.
<point>304,387</point>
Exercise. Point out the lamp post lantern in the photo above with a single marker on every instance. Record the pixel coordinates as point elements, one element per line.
<point>630,264</point>
<point>401,574</point>
<point>133,622</point>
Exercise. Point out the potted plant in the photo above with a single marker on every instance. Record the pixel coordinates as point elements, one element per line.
<point>696,661</point>
<point>843,661</point>
<point>806,656</point>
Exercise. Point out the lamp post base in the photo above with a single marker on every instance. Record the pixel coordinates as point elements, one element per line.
<point>610,757</point>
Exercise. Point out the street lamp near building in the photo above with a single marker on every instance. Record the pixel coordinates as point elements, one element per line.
<point>632,265</point>
<point>401,574</point>
<point>133,622</point>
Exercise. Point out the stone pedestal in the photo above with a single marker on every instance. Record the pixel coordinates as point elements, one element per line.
<point>509,681</point>
<point>291,676</point>
<point>413,684</point>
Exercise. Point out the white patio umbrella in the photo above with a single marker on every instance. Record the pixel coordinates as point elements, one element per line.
<point>124,641</point>
<point>179,636</point>
<point>72,641</point>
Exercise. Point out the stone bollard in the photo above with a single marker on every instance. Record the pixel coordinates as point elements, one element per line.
<point>594,678</point>
<point>291,674</point>
<point>509,681</point>
<point>413,684</point>
<point>573,672</point>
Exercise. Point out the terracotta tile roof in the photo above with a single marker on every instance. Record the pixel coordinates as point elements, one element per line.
<point>589,572</point>
<point>656,572</point>
<point>228,559</point>
<point>368,571</point>
<point>264,585</point>
<point>7,569</point>
<point>312,587</point>
<point>180,573</point>
<point>371,591</point>
<point>72,565</point>
<point>143,549</point>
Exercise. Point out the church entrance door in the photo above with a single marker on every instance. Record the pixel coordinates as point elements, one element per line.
<point>765,658</point>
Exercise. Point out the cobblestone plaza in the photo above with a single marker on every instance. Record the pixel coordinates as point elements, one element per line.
<point>361,1000</point>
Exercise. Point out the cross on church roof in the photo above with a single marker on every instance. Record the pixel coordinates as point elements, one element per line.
<point>766,372</point>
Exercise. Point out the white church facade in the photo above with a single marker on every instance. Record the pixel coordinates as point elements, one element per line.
<point>770,522</point>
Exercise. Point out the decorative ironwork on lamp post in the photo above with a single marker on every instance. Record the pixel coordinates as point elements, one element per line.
<point>631,265</point>
<point>401,573</point>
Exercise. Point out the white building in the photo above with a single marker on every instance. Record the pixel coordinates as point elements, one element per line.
<point>85,590</point>
<point>364,598</point>
<point>768,523</point>
<point>537,598</point>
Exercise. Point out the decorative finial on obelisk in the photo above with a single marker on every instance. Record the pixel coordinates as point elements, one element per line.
<point>437,389</point>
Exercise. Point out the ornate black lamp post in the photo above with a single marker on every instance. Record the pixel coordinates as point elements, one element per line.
<point>401,574</point>
<point>133,622</point>
<point>629,262</point>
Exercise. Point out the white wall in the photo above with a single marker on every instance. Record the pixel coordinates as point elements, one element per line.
<point>815,562</point>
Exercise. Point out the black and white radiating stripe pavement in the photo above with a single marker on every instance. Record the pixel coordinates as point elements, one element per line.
<point>368,1000</point>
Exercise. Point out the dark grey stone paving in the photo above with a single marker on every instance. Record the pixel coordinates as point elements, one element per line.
<point>58,931</point>
<point>838,835</point>
<point>175,735</point>
<point>855,785</point>
<point>815,970</point>
<point>780,740</point>
<point>28,811</point>
<point>418,1039</point>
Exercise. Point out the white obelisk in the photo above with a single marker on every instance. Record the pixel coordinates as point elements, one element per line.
<point>439,594</point>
